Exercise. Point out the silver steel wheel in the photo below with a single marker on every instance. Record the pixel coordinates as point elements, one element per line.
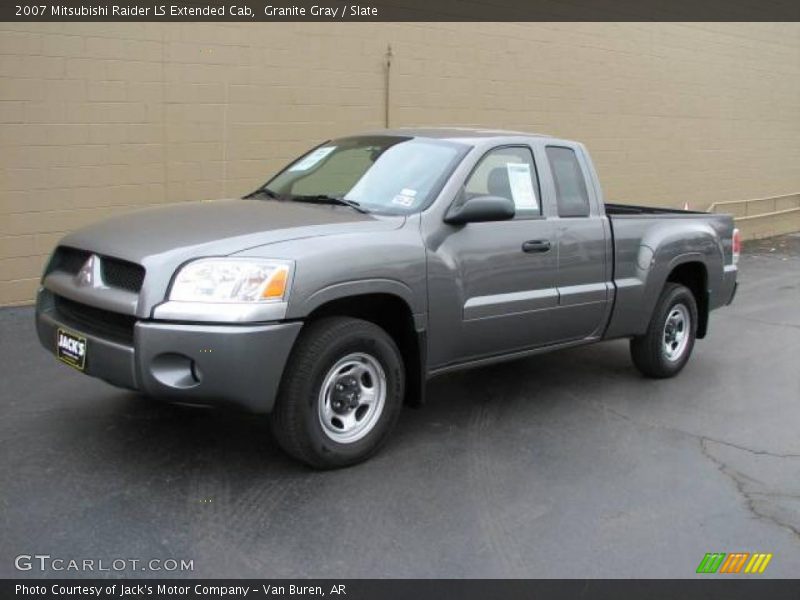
<point>676,332</point>
<point>352,398</point>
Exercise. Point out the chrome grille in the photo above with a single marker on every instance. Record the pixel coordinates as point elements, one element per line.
<point>116,273</point>
<point>121,274</point>
<point>68,260</point>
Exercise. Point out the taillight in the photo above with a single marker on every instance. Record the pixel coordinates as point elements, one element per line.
<point>736,245</point>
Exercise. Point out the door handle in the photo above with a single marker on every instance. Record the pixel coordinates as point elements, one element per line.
<point>536,246</point>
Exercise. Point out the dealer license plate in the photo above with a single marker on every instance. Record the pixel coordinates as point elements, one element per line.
<point>71,349</point>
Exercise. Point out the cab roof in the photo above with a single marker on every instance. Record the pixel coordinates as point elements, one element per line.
<point>467,135</point>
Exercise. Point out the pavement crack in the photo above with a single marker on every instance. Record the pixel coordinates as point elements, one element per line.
<point>738,480</point>
<point>750,450</point>
<point>763,321</point>
<point>603,407</point>
<point>776,495</point>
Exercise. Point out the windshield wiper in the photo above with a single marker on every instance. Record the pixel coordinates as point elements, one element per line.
<point>325,199</point>
<point>264,191</point>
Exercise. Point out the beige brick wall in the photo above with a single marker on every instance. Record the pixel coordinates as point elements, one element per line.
<point>97,119</point>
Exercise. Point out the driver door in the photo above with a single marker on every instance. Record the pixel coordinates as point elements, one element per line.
<point>492,286</point>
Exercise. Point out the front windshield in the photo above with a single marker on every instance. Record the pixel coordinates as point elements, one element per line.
<point>385,174</point>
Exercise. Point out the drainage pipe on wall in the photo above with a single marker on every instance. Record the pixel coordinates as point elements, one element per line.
<point>388,84</point>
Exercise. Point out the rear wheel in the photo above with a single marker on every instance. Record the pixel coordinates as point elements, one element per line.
<point>667,345</point>
<point>341,393</point>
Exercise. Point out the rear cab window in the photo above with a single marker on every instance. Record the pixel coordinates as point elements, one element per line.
<point>572,197</point>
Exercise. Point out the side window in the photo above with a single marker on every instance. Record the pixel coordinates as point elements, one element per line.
<point>510,173</point>
<point>573,201</point>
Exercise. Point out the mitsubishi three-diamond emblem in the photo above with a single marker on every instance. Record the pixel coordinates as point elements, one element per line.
<point>89,275</point>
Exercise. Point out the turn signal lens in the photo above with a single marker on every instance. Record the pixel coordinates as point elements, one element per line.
<point>276,288</point>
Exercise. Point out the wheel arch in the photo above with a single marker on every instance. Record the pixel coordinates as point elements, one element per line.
<point>394,314</point>
<point>693,274</point>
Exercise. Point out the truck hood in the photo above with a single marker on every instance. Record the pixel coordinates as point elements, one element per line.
<point>179,232</point>
<point>163,238</point>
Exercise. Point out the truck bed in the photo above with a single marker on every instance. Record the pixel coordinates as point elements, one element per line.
<point>647,242</point>
<point>633,209</point>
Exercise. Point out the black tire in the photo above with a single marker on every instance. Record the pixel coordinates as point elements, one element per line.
<point>296,421</point>
<point>649,351</point>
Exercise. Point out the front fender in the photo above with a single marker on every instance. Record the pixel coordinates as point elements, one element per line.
<point>348,289</point>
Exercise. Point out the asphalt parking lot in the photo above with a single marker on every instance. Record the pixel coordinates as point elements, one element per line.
<point>562,465</point>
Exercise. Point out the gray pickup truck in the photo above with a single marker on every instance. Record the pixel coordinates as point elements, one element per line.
<point>329,296</point>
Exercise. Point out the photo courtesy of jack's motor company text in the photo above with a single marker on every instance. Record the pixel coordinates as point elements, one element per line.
<point>137,590</point>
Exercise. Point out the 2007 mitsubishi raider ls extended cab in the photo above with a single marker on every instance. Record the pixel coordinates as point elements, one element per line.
<point>331,294</point>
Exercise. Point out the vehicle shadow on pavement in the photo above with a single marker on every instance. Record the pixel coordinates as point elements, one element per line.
<point>129,426</point>
<point>192,435</point>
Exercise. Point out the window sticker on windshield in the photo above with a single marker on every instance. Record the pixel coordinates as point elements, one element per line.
<point>312,159</point>
<point>519,178</point>
<point>406,197</point>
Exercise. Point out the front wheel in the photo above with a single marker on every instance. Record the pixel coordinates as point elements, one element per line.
<point>341,393</point>
<point>666,346</point>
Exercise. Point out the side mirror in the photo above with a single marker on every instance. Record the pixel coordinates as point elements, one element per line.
<point>481,209</point>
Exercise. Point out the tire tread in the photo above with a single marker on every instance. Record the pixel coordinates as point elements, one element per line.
<point>288,416</point>
<point>646,350</point>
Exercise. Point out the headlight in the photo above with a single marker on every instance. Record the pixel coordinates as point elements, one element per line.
<point>232,280</point>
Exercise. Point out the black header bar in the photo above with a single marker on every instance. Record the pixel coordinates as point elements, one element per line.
<point>400,10</point>
<point>734,588</point>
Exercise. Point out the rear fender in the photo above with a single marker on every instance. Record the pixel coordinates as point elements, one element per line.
<point>663,248</point>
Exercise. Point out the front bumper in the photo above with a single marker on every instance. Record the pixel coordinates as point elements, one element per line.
<point>239,365</point>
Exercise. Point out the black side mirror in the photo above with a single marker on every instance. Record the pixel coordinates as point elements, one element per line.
<point>480,209</point>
